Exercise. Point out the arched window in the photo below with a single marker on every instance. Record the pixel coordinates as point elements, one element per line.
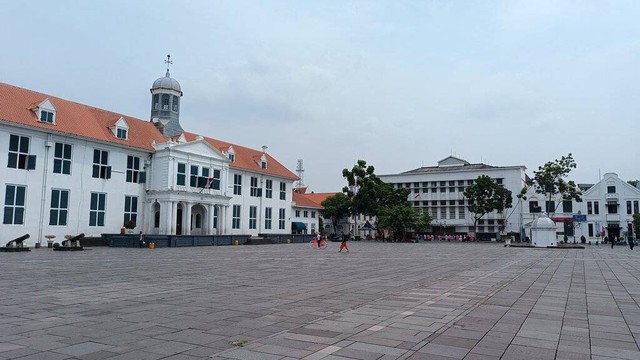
<point>156,219</point>
<point>198,221</point>
<point>165,101</point>
<point>156,102</point>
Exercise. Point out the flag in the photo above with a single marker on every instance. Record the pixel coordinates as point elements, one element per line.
<point>209,182</point>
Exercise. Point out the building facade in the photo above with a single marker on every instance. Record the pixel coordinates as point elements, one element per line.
<point>71,168</point>
<point>439,191</point>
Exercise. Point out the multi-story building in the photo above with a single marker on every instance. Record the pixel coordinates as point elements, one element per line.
<point>606,209</point>
<point>439,190</point>
<point>71,168</point>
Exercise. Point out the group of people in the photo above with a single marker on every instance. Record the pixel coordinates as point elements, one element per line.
<point>630,242</point>
<point>343,244</point>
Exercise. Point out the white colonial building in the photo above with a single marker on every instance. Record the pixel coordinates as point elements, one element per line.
<point>71,168</point>
<point>439,190</point>
<point>606,209</point>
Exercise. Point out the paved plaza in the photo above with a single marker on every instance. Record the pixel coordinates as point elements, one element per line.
<point>380,301</point>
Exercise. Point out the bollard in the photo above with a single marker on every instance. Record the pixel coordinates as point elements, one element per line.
<point>236,242</point>
<point>288,241</point>
<point>152,245</point>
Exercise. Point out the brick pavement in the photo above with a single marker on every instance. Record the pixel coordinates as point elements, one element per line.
<point>381,301</point>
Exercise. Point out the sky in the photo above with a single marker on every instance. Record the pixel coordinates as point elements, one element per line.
<point>400,84</point>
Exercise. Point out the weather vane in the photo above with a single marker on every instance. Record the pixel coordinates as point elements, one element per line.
<point>168,62</point>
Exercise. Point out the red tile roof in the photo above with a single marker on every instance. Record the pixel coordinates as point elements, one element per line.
<point>85,121</point>
<point>248,159</point>
<point>312,200</point>
<point>71,118</point>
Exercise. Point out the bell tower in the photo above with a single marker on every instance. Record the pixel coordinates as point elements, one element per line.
<point>165,103</point>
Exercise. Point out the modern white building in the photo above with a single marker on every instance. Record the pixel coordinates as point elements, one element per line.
<point>71,168</point>
<point>439,190</point>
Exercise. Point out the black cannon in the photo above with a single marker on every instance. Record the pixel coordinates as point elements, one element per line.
<point>16,245</point>
<point>71,244</point>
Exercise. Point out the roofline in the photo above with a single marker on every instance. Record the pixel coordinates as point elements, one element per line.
<point>415,172</point>
<point>70,135</point>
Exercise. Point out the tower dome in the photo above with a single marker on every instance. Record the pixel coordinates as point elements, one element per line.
<point>165,103</point>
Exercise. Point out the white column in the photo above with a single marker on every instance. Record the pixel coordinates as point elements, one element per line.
<point>186,225</point>
<point>174,217</point>
<point>210,209</point>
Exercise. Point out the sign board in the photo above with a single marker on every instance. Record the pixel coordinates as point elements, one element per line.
<point>579,218</point>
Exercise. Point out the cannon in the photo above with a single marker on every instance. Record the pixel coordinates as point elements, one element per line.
<point>71,244</point>
<point>16,245</point>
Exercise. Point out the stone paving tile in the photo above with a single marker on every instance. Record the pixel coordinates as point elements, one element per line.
<point>384,301</point>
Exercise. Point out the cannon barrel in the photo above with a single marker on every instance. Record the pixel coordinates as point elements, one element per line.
<point>19,239</point>
<point>77,237</point>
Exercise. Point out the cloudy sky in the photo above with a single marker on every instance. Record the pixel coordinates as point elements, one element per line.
<point>400,84</point>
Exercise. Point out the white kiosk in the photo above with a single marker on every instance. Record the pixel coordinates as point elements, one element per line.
<point>543,232</point>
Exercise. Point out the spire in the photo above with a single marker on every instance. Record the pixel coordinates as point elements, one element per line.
<point>168,62</point>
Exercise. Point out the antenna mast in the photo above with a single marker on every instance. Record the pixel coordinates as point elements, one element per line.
<point>300,172</point>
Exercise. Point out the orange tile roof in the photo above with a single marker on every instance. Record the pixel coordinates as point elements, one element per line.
<point>89,122</point>
<point>302,200</point>
<point>318,198</point>
<point>74,119</point>
<point>248,159</point>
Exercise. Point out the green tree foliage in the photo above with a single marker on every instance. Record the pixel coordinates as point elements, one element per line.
<point>336,207</point>
<point>550,181</point>
<point>398,218</point>
<point>485,196</point>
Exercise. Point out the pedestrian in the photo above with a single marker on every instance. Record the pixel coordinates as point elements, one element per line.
<point>631,242</point>
<point>612,241</point>
<point>141,240</point>
<point>343,244</point>
<point>318,240</point>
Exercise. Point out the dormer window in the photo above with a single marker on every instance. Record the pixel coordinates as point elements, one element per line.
<point>231,154</point>
<point>46,112</point>
<point>263,162</point>
<point>121,129</point>
<point>46,116</point>
<point>121,133</point>
<point>232,157</point>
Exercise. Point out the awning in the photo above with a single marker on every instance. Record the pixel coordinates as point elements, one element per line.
<point>562,219</point>
<point>299,226</point>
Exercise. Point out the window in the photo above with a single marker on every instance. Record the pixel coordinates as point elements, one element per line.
<point>255,190</point>
<point>97,209</point>
<point>567,206</point>
<point>281,217</point>
<point>156,103</point>
<point>452,183</point>
<point>214,181</point>
<point>19,157</point>
<point>156,219</point>
<point>305,213</point>
<point>550,206</point>
<point>194,172</point>
<point>101,168</point>
<point>590,230</point>
<point>596,207</point>
<point>59,207</point>
<point>263,164</point>
<point>635,206</point>
<point>452,189</point>
<point>313,214</point>
<point>434,190</point>
<point>452,212</point>
<point>232,157</point>
<point>589,207</point>
<point>62,159</point>
<point>443,183</point>
<point>253,213</point>
<point>235,220</point>
<point>499,181</point>
<point>416,190</point>
<point>182,174</point>
<point>629,208</point>
<point>121,133</point>
<point>215,217</point>
<point>297,213</point>
<point>611,189</point>
<point>198,221</point>
<point>283,191</point>
<point>443,212</point>
<point>165,101</point>
<point>14,206</point>
<point>612,208</point>
<point>461,212</point>
<point>267,218</point>
<point>237,184</point>
<point>174,104</point>
<point>133,169</point>
<point>46,116</point>
<point>269,187</point>
<point>533,207</point>
<point>130,209</point>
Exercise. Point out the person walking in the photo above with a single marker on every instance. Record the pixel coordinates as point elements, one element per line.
<point>141,240</point>
<point>613,241</point>
<point>343,244</point>
<point>631,242</point>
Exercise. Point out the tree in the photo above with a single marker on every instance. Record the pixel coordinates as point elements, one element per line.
<point>636,225</point>
<point>484,196</point>
<point>634,183</point>
<point>399,218</point>
<point>336,207</point>
<point>549,180</point>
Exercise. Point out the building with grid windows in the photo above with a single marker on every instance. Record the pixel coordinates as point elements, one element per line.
<point>71,168</point>
<point>439,190</point>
